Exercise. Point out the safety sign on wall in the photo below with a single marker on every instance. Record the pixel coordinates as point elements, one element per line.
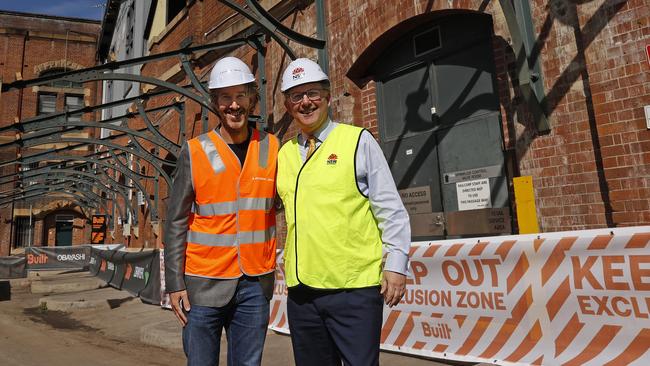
<point>473,194</point>
<point>417,199</point>
<point>98,229</point>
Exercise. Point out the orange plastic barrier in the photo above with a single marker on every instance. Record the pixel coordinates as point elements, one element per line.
<point>573,298</point>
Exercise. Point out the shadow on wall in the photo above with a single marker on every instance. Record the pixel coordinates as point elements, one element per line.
<point>566,13</point>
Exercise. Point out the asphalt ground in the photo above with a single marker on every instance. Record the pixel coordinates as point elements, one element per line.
<point>73,318</point>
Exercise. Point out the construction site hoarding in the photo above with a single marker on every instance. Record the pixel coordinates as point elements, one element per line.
<point>570,298</point>
<point>53,258</point>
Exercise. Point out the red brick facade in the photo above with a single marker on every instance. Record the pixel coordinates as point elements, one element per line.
<point>590,170</point>
<point>31,45</point>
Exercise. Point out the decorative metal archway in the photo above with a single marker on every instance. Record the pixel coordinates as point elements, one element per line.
<point>67,172</point>
<point>111,151</point>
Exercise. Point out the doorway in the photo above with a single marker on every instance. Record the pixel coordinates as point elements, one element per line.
<point>64,224</point>
<point>440,128</point>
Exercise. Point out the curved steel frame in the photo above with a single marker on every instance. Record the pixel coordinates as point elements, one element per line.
<point>133,176</point>
<point>102,182</point>
<point>110,151</point>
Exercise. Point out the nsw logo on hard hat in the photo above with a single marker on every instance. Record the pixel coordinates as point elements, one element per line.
<point>298,73</point>
<point>332,159</point>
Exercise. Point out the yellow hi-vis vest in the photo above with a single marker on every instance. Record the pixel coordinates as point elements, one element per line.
<point>333,241</point>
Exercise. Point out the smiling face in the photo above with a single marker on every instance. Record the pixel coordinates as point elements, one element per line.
<point>310,114</point>
<point>233,105</point>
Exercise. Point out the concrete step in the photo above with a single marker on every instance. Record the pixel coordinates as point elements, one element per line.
<point>66,285</point>
<point>20,285</point>
<point>106,298</point>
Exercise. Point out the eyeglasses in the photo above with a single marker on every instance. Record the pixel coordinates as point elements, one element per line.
<point>227,99</point>
<point>312,94</point>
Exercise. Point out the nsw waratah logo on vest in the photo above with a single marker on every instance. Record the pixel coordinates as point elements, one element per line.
<point>331,160</point>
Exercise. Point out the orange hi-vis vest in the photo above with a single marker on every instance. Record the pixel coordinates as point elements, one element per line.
<point>232,224</point>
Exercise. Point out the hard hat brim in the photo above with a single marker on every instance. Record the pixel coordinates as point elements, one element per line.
<point>304,81</point>
<point>216,84</point>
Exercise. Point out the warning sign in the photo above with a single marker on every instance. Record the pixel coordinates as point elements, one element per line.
<point>416,200</point>
<point>473,174</point>
<point>473,194</point>
<point>98,229</point>
<point>569,299</point>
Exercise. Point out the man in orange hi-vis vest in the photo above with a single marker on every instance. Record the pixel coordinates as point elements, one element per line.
<point>220,231</point>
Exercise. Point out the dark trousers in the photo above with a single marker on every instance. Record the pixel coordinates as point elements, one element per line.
<point>328,327</point>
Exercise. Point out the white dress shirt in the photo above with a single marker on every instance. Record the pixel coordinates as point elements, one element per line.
<point>376,182</point>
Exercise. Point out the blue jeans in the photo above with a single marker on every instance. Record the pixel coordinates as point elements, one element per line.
<point>246,318</point>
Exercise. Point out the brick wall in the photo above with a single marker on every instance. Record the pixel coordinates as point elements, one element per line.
<point>592,169</point>
<point>620,84</point>
<point>29,45</point>
<point>596,82</point>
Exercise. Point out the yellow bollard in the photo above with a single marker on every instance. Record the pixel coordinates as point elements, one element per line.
<point>525,201</point>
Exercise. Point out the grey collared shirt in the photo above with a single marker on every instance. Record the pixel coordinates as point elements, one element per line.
<point>376,182</point>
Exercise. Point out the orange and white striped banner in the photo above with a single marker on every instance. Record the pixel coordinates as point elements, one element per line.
<point>577,298</point>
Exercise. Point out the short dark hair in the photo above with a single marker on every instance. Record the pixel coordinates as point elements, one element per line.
<point>325,84</point>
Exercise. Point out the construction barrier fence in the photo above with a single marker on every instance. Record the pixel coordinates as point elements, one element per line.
<point>576,298</point>
<point>57,258</point>
<point>571,298</point>
<point>13,267</point>
<point>135,272</point>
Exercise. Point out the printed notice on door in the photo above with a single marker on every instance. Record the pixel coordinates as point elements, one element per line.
<point>473,194</point>
<point>417,199</point>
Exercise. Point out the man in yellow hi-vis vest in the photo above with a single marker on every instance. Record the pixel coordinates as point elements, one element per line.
<point>341,208</point>
<point>220,228</point>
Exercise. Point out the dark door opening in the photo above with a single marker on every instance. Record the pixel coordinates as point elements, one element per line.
<point>63,230</point>
<point>440,128</point>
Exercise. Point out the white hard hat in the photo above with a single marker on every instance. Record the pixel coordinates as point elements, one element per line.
<point>301,71</point>
<point>230,71</point>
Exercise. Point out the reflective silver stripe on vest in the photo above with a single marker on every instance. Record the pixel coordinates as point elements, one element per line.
<point>225,208</point>
<point>260,236</point>
<point>264,149</point>
<point>227,240</point>
<point>213,240</point>
<point>213,155</point>
<point>255,203</point>
<point>186,150</point>
<point>211,209</point>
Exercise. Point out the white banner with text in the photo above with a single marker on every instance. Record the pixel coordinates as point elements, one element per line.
<point>577,298</point>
